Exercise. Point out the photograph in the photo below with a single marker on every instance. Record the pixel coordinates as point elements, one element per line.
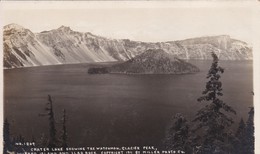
<point>128,77</point>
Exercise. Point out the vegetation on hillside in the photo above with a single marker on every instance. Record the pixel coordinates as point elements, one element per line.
<point>211,133</point>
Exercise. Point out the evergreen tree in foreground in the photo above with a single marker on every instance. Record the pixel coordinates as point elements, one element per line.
<point>240,143</point>
<point>52,142</point>
<point>52,130</point>
<point>6,136</point>
<point>178,134</point>
<point>250,139</point>
<point>213,123</point>
<point>64,136</point>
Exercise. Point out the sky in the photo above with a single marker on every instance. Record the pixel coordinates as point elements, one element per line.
<point>145,21</point>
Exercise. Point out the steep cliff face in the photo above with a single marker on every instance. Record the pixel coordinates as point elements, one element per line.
<point>24,48</point>
<point>224,46</point>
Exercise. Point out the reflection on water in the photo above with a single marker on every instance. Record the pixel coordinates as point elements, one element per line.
<point>113,109</point>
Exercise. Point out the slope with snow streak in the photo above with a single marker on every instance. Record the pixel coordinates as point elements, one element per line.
<point>23,48</point>
<point>22,44</point>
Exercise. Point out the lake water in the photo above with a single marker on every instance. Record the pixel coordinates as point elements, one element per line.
<point>115,109</point>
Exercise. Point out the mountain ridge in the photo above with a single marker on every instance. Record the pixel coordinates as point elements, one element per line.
<point>154,61</point>
<point>23,48</point>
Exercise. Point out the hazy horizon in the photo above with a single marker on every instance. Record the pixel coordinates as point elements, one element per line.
<point>147,22</point>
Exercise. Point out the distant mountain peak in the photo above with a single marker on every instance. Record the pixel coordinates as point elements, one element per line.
<point>209,37</point>
<point>227,36</point>
<point>13,26</point>
<point>64,28</point>
<point>220,36</point>
<point>90,34</point>
<point>14,29</point>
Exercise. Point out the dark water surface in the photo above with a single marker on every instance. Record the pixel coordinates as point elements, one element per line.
<point>114,109</point>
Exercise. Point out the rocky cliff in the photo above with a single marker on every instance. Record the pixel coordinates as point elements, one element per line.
<point>23,48</point>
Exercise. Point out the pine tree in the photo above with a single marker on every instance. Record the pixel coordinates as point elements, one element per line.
<point>240,143</point>
<point>241,129</point>
<point>64,136</point>
<point>6,135</point>
<point>250,139</point>
<point>178,134</point>
<point>212,122</point>
<point>52,130</point>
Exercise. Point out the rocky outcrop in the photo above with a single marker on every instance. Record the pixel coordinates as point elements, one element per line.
<point>154,61</point>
